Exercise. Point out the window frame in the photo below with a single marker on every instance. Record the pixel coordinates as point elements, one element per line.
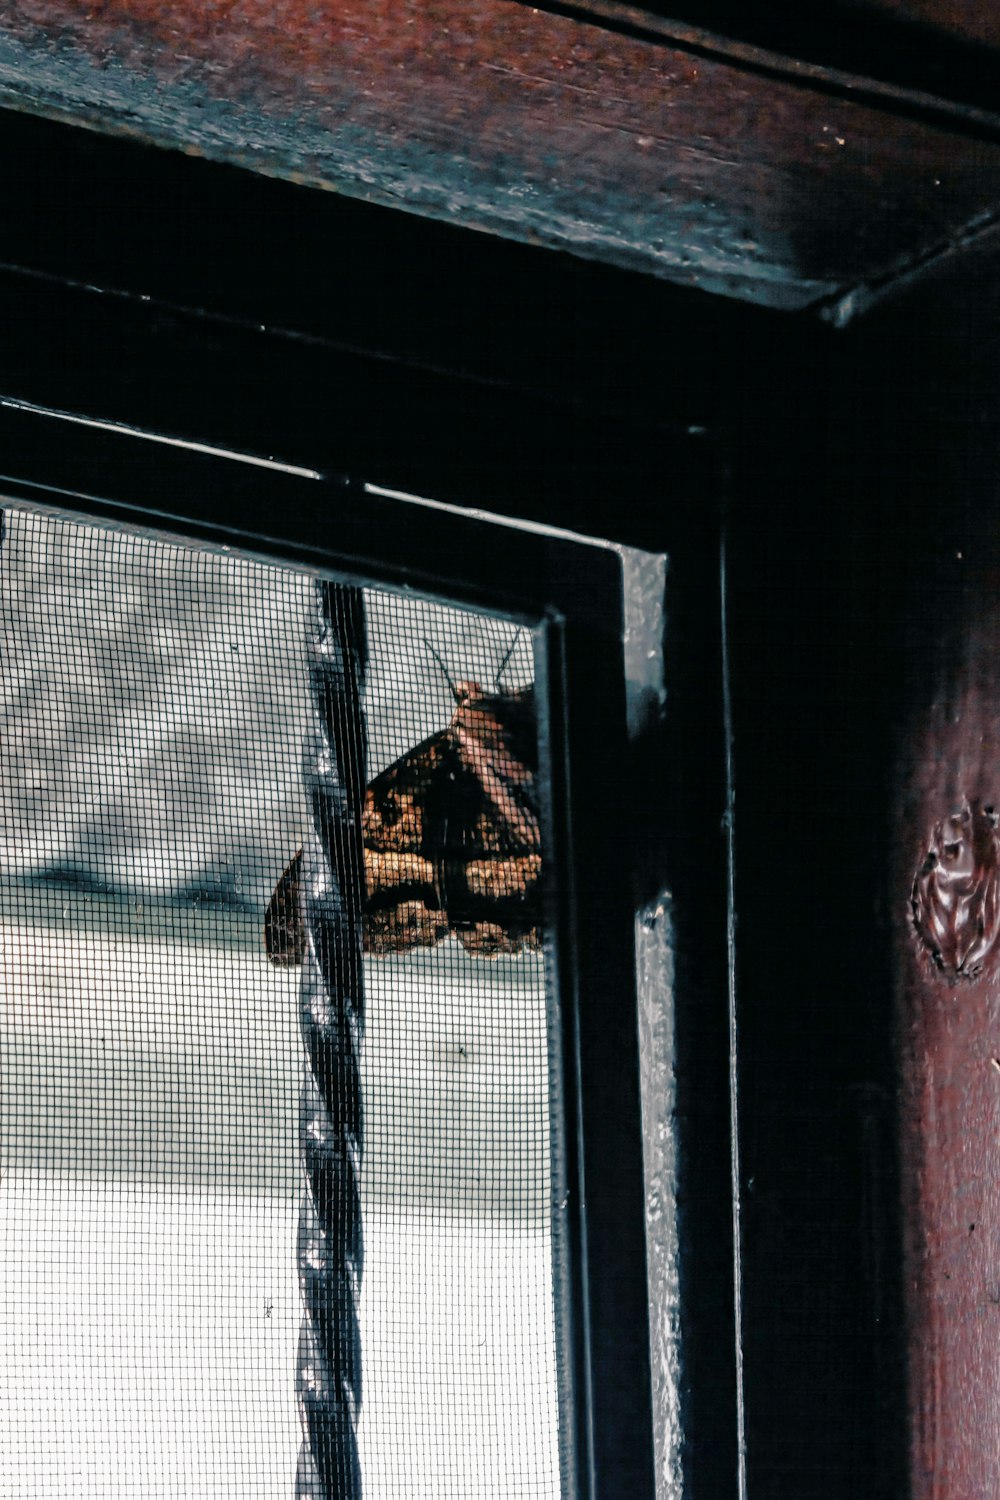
<point>338,525</point>
<point>128,374</point>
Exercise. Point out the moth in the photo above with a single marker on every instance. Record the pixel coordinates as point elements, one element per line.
<point>452,841</point>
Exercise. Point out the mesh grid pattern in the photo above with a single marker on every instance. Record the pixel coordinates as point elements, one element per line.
<point>154,698</point>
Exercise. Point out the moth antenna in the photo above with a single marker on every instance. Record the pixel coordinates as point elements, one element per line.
<point>447,675</point>
<point>503,665</point>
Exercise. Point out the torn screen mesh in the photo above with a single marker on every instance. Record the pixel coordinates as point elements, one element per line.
<point>154,701</point>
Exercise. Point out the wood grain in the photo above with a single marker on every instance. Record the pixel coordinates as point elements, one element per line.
<point>951,1086</point>
<point>539,126</point>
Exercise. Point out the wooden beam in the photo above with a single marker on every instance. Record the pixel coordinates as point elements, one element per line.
<point>535,125</point>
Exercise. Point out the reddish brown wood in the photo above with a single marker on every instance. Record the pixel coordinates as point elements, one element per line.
<point>530,124</point>
<point>951,1091</point>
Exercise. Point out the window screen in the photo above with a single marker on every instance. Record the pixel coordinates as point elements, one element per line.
<point>155,698</point>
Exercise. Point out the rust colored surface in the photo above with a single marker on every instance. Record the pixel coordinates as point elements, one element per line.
<point>951,1075</point>
<point>534,125</point>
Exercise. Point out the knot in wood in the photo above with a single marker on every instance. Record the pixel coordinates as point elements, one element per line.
<point>955,900</point>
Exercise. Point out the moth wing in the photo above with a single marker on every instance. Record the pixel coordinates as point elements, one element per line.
<point>401,925</point>
<point>493,854</point>
<point>496,739</point>
<point>402,833</point>
<point>397,801</point>
<point>284,934</point>
<point>451,842</point>
<point>403,909</point>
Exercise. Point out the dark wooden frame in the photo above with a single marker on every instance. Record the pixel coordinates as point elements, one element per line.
<point>122,475</point>
<point>191,301</point>
<point>794,160</point>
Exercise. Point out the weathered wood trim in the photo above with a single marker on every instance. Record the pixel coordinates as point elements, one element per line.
<point>884,87</point>
<point>535,125</point>
<point>950,1070</point>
